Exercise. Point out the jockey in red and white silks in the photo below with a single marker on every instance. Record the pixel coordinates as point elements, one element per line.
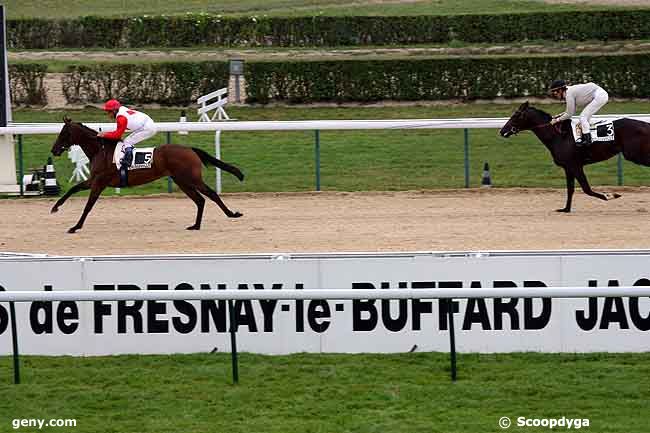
<point>141,126</point>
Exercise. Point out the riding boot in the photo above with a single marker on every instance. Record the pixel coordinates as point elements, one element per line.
<point>584,146</point>
<point>128,156</point>
<point>124,176</point>
<point>124,166</point>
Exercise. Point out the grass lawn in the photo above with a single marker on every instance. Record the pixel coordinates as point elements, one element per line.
<point>72,8</point>
<point>401,393</point>
<point>358,160</point>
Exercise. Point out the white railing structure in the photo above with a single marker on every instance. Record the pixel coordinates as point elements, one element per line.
<point>311,294</point>
<point>218,115</point>
<point>299,125</point>
<point>325,294</point>
<point>307,125</point>
<point>80,161</point>
<point>205,107</point>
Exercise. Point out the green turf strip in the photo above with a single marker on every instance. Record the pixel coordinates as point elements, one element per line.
<point>401,393</point>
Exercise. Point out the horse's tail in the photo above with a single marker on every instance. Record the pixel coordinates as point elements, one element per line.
<point>206,159</point>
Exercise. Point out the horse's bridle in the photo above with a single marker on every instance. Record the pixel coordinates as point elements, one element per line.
<point>514,130</point>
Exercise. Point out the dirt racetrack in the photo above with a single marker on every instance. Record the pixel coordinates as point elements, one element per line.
<point>447,220</point>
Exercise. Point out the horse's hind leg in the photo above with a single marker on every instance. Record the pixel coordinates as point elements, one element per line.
<point>586,188</point>
<point>81,186</point>
<point>212,195</point>
<point>197,199</point>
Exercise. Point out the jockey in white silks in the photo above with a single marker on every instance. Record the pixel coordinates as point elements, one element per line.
<point>141,127</point>
<point>588,95</point>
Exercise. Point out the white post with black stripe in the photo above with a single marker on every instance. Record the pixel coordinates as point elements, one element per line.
<point>51,185</point>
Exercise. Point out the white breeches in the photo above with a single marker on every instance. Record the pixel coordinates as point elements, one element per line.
<point>147,131</point>
<point>600,99</point>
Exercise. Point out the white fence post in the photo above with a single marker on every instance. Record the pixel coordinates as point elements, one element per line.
<point>8,182</point>
<point>217,154</point>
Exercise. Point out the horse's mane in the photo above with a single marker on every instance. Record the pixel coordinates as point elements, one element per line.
<point>564,128</point>
<point>547,117</point>
<point>101,140</point>
<point>87,128</point>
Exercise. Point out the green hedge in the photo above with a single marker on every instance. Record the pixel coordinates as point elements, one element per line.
<point>26,83</point>
<point>441,79</point>
<point>359,81</point>
<point>170,83</point>
<point>214,30</point>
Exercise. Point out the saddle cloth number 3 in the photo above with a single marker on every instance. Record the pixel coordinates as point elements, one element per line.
<point>604,132</point>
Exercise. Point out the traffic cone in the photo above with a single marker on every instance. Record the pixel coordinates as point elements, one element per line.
<point>486,180</point>
<point>51,185</point>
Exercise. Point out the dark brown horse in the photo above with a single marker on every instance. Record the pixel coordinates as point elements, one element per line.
<point>183,164</point>
<point>632,137</point>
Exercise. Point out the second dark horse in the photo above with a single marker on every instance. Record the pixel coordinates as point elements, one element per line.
<point>631,137</point>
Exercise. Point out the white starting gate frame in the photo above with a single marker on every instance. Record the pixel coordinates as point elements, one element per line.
<point>219,115</point>
<point>80,161</point>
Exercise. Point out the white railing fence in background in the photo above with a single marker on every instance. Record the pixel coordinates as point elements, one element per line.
<point>20,129</point>
<point>299,125</point>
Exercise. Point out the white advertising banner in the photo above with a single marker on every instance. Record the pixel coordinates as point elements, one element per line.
<point>278,327</point>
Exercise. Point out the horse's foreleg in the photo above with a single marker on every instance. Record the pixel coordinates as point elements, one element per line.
<point>570,188</point>
<point>75,189</point>
<point>586,188</point>
<point>197,199</point>
<point>92,198</point>
<point>212,195</point>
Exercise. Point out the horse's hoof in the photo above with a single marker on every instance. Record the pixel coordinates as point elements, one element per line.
<point>236,215</point>
<point>615,195</point>
<point>72,230</point>
<point>54,210</point>
<point>194,228</point>
<point>564,210</point>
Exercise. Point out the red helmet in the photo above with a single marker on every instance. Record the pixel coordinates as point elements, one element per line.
<point>112,105</point>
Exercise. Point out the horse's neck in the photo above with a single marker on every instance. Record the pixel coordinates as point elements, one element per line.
<point>547,135</point>
<point>90,144</point>
<point>90,149</point>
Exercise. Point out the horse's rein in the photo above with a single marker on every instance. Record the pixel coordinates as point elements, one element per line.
<point>543,125</point>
